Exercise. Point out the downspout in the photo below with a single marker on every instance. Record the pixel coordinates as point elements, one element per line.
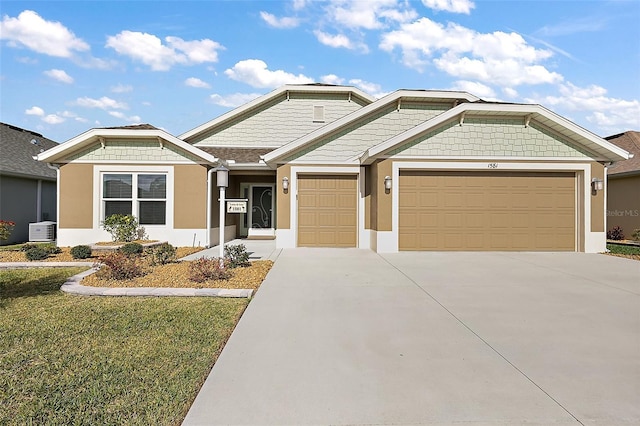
<point>209,201</point>
<point>56,167</point>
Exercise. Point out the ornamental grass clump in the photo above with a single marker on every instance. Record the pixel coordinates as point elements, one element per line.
<point>119,266</point>
<point>208,269</point>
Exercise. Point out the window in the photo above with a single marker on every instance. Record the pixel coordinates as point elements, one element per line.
<point>318,114</point>
<point>148,203</point>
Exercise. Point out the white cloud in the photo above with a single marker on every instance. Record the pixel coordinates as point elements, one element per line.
<point>510,92</point>
<point>339,40</point>
<point>369,15</point>
<point>371,88</point>
<point>331,79</point>
<point>35,110</point>
<point>254,72</point>
<point>149,49</point>
<point>497,58</point>
<point>233,100</point>
<point>299,4</point>
<point>70,114</point>
<point>53,119</point>
<point>610,114</point>
<point>132,119</point>
<point>102,103</point>
<point>47,37</point>
<point>196,82</point>
<point>475,88</point>
<point>275,22</point>
<point>455,6</point>
<point>59,75</point>
<point>121,88</point>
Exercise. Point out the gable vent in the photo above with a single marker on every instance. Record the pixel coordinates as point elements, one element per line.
<point>318,114</point>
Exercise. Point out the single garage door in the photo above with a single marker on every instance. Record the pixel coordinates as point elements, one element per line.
<point>327,210</point>
<point>483,211</point>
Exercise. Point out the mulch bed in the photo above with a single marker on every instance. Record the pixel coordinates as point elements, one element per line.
<point>65,256</point>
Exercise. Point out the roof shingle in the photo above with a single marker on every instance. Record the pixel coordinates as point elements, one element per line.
<point>629,141</point>
<point>239,155</point>
<point>17,149</point>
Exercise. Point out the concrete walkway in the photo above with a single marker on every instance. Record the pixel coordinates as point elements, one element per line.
<point>348,337</point>
<point>257,249</point>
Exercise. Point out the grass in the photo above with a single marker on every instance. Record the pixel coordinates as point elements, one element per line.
<point>86,360</point>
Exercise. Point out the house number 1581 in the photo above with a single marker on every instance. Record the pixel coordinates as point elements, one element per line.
<point>492,165</point>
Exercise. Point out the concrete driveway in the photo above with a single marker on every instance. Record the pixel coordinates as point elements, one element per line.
<point>352,337</point>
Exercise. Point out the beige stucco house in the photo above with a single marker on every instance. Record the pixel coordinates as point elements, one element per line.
<point>331,166</point>
<point>623,189</point>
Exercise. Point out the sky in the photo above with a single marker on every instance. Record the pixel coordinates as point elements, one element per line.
<point>69,66</point>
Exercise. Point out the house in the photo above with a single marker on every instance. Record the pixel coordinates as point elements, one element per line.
<point>331,166</point>
<point>623,185</point>
<point>27,187</point>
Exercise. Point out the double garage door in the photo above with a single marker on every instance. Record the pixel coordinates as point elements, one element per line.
<point>482,211</point>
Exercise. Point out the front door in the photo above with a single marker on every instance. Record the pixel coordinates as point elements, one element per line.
<point>258,221</point>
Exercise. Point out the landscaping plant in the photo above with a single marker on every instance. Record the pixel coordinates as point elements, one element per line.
<point>122,227</point>
<point>615,234</point>
<point>36,253</point>
<point>205,269</point>
<point>132,249</point>
<point>236,256</point>
<point>162,254</point>
<point>636,235</point>
<point>119,266</point>
<point>6,226</point>
<point>81,252</point>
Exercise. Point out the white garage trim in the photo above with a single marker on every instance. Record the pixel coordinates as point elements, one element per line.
<point>387,242</point>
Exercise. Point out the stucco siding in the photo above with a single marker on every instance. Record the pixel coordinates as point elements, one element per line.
<point>487,137</point>
<point>280,121</point>
<point>376,128</point>
<point>623,204</point>
<point>136,150</point>
<point>190,197</point>
<point>76,196</point>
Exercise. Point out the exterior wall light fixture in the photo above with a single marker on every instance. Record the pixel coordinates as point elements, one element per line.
<point>387,183</point>
<point>597,185</point>
<point>285,183</point>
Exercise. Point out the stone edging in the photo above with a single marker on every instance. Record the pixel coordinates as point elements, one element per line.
<point>73,286</point>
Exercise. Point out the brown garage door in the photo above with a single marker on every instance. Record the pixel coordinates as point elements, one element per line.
<point>480,211</point>
<point>327,210</point>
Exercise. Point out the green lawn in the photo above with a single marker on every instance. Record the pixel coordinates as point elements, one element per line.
<point>94,360</point>
<point>622,249</point>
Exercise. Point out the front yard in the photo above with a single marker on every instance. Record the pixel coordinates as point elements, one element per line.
<point>103,360</point>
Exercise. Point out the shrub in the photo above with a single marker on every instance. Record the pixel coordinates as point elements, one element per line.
<point>205,269</point>
<point>28,246</point>
<point>122,227</point>
<point>52,249</point>
<point>119,266</point>
<point>636,235</point>
<point>36,253</point>
<point>615,234</point>
<point>81,252</point>
<point>6,226</point>
<point>131,249</point>
<point>236,256</point>
<point>162,254</point>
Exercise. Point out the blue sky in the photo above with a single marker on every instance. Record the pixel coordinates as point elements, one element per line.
<point>68,66</point>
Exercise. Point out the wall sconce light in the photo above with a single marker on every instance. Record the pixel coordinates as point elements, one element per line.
<point>597,185</point>
<point>285,183</point>
<point>387,183</point>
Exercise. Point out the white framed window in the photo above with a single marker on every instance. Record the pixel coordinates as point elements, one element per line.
<point>318,114</point>
<point>143,195</point>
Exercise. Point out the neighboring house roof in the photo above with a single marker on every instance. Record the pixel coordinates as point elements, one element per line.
<point>144,131</point>
<point>260,101</point>
<point>397,97</point>
<point>17,149</point>
<point>629,141</point>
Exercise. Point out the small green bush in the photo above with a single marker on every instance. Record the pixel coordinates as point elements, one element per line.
<point>122,227</point>
<point>205,269</point>
<point>636,235</point>
<point>81,252</point>
<point>236,256</point>
<point>36,253</point>
<point>52,249</point>
<point>132,249</point>
<point>28,246</point>
<point>119,266</point>
<point>162,254</point>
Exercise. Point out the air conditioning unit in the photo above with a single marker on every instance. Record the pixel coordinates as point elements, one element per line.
<point>42,231</point>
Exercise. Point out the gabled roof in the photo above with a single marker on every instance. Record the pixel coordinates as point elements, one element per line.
<point>397,97</point>
<point>144,131</point>
<point>256,103</point>
<point>552,121</point>
<point>629,141</point>
<point>17,149</point>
